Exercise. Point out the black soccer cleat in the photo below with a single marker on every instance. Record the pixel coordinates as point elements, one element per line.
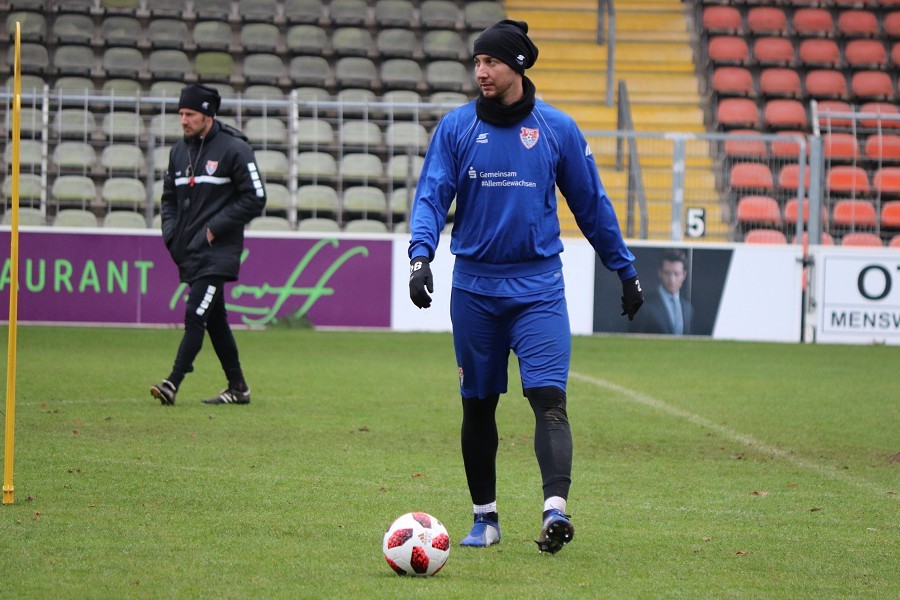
<point>556,532</point>
<point>230,395</point>
<point>164,391</point>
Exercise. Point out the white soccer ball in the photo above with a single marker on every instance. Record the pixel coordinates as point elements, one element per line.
<point>416,544</point>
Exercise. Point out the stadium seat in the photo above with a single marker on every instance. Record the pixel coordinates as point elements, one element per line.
<point>260,99</point>
<point>367,201</point>
<point>33,58</point>
<point>722,19</point>
<point>785,113</point>
<point>840,147</point>
<point>72,29</point>
<point>871,85</point>
<point>315,166</point>
<point>214,66</point>
<point>355,71</point>
<point>765,236</point>
<point>827,110</point>
<point>447,75</point>
<point>854,213</point>
<point>269,223</point>
<point>266,69</point>
<point>309,71</point>
<point>394,13</point>
<point>110,7</point>
<point>168,33</point>
<point>857,23</point>
<point>826,238</point>
<point>30,154</point>
<point>820,52</point>
<point>317,200</point>
<point>869,54</point>
<point>733,81</point>
<point>212,9</point>
<point>813,21</point>
<point>405,169</point>
<point>32,26</point>
<point>318,224</point>
<point>886,181</point>
<point>72,123</point>
<point>120,159</point>
<point>74,85</point>
<point>122,88</point>
<point>352,41</point>
<point>737,113</point>
<point>877,109</point>
<point>169,64</point>
<point>404,136</point>
<point>480,15</point>
<point>789,178</point>
<point>266,131</point>
<point>403,227</point>
<point>861,239</point>
<point>28,217</point>
<point>883,147</point>
<point>73,60</point>
<point>348,12</point>
<point>401,103</point>
<point>315,133</point>
<point>894,241</point>
<point>125,219</point>
<point>360,134</point>
<point>891,24</point>
<point>396,43</point>
<point>440,14</point>
<point>213,35</point>
<point>895,53</point>
<point>278,198</point>
<point>759,210</point>
<point>767,20</point>
<point>774,52</point>
<point>123,191</point>
<point>75,217</point>
<point>780,82</point>
<point>123,125</point>
<point>259,37</point>
<point>306,39</point>
<point>365,226</point>
<point>751,176</point>
<point>74,158</point>
<point>166,89</point>
<point>166,127</point>
<point>728,50</point>
<point>30,188</point>
<point>73,189</point>
<point>160,157</point>
<point>123,62</point>
<point>400,202</point>
<point>273,164</point>
<point>847,180</point>
<point>257,10</point>
<point>357,102</point>
<point>826,83</point>
<point>361,166</point>
<point>400,73</point>
<point>165,8</point>
<point>890,214</point>
<point>785,147</point>
<point>791,212</point>
<point>304,11</point>
<point>444,44</point>
<point>80,6</point>
<point>121,30</point>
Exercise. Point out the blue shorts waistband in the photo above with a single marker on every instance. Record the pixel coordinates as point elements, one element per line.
<point>517,269</point>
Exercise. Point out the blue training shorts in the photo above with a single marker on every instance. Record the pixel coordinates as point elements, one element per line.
<point>486,328</point>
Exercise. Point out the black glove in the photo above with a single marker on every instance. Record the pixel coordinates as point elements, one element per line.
<point>419,280</point>
<point>632,297</point>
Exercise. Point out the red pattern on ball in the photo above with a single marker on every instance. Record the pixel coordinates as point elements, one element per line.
<point>419,560</point>
<point>399,537</point>
<point>395,567</point>
<point>441,542</point>
<point>424,519</point>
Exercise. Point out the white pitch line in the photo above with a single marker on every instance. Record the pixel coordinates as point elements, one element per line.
<point>734,436</point>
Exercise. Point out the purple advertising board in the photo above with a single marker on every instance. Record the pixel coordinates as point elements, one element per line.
<point>116,278</point>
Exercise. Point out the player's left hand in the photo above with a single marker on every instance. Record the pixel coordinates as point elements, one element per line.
<point>420,279</point>
<point>632,297</point>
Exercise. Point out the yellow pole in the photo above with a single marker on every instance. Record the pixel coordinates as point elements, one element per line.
<point>8,490</point>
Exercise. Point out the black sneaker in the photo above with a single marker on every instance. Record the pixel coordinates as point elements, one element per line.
<point>164,392</point>
<point>230,395</point>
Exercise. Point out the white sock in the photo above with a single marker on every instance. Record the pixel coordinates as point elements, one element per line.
<point>482,509</point>
<point>557,502</point>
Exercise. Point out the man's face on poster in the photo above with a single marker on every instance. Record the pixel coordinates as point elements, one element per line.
<point>672,274</point>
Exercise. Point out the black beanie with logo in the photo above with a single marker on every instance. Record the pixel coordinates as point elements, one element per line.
<point>508,41</point>
<point>202,98</point>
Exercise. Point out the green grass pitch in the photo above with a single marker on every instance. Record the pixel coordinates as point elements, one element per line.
<point>703,469</point>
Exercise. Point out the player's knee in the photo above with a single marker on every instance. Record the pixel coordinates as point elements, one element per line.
<point>548,402</point>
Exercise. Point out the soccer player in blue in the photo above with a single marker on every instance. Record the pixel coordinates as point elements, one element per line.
<point>500,156</point>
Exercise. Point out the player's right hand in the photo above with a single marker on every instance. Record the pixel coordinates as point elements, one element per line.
<point>419,280</point>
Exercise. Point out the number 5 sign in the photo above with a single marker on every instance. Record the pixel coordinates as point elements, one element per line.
<point>696,222</point>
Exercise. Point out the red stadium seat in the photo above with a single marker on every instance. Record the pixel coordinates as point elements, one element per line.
<point>752,176</point>
<point>820,52</point>
<point>861,239</point>
<point>790,212</point>
<point>733,81</point>
<point>848,180</point>
<point>767,20</point>
<point>728,50</point>
<point>744,148</point>
<point>827,239</point>
<point>887,181</point>
<point>891,24</point>
<point>857,23</point>
<point>785,147</point>
<point>854,213</point>
<point>778,81</point>
<point>826,83</point>
<point>895,241</point>
<point>722,19</point>
<point>765,236</point>
<point>895,53</point>
<point>758,209</point>
<point>877,109</point>
<point>813,22</point>
<point>827,109</point>
<point>840,147</point>
<point>890,214</point>
<point>789,178</point>
<point>866,53</point>
<point>869,85</point>
<point>785,114</point>
<point>774,51</point>
<point>737,112</point>
<point>883,147</point>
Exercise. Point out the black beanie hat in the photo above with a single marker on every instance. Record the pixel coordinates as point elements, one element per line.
<point>202,98</point>
<point>507,40</point>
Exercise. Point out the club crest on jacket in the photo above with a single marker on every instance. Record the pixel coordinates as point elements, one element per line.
<point>529,137</point>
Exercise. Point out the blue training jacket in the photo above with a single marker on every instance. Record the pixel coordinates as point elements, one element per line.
<point>503,178</point>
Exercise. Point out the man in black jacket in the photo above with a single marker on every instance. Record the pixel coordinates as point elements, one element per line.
<point>212,188</point>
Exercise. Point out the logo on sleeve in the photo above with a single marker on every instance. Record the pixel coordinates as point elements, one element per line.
<point>211,166</point>
<point>529,137</point>
<point>482,138</point>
